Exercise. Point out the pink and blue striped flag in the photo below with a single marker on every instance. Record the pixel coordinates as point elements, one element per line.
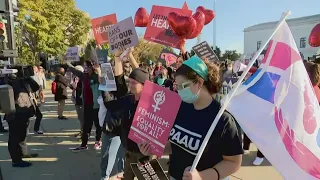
<point>278,110</point>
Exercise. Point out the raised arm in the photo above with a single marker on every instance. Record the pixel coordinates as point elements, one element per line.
<point>132,60</point>
<point>75,71</point>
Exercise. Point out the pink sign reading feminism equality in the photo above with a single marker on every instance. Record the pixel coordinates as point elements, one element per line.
<point>154,117</point>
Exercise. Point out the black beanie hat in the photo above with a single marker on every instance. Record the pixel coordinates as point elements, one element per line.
<point>139,75</point>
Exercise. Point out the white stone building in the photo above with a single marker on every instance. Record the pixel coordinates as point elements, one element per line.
<point>255,36</point>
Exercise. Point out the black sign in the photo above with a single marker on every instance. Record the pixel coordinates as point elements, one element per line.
<point>203,50</point>
<point>149,171</point>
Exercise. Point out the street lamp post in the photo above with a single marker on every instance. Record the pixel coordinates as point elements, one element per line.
<point>214,27</point>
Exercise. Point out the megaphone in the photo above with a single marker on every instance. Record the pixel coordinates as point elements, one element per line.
<point>238,66</point>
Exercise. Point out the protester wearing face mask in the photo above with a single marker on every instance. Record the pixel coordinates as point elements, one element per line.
<point>164,80</point>
<point>197,81</point>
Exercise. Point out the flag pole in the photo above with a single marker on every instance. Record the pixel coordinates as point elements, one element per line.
<point>231,94</point>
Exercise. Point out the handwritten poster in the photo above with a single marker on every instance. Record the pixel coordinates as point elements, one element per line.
<point>167,57</point>
<point>108,82</point>
<point>72,54</point>
<point>149,171</point>
<point>154,117</point>
<point>100,27</point>
<point>203,50</point>
<point>122,35</point>
<point>158,29</point>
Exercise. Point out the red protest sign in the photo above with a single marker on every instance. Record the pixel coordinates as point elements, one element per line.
<point>158,29</point>
<point>100,27</point>
<point>154,117</point>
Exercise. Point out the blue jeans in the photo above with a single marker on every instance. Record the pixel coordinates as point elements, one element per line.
<point>112,159</point>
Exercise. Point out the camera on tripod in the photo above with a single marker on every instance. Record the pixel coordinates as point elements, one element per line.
<point>11,73</point>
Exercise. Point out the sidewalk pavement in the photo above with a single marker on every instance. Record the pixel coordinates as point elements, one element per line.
<point>57,162</point>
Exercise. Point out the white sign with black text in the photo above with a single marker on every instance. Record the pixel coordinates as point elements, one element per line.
<point>108,82</point>
<point>122,35</point>
<point>72,54</point>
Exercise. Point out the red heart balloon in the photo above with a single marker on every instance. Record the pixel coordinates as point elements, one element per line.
<point>183,26</point>
<point>141,18</point>
<point>314,38</point>
<point>209,14</point>
<point>200,19</point>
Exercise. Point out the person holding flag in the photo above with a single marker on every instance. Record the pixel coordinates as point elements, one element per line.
<point>197,81</point>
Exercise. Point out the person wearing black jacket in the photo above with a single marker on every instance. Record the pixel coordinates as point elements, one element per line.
<point>126,107</point>
<point>18,122</point>
<point>61,93</point>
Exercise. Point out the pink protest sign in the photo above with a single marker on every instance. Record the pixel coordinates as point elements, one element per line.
<point>154,117</point>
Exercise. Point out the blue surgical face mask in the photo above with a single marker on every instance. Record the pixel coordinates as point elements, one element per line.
<point>160,81</point>
<point>187,96</point>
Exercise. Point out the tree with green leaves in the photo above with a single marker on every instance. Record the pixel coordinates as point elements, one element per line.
<point>49,26</point>
<point>231,55</point>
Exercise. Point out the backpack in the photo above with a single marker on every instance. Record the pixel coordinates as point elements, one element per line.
<point>53,87</point>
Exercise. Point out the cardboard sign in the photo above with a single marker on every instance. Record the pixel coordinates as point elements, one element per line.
<point>72,54</point>
<point>167,57</point>
<point>100,27</point>
<point>158,29</point>
<point>122,35</point>
<point>154,117</point>
<point>203,50</point>
<point>102,55</point>
<point>69,77</point>
<point>149,171</point>
<point>108,82</point>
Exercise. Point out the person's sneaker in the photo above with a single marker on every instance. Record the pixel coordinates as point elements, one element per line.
<point>258,161</point>
<point>97,146</point>
<point>62,118</point>
<point>3,130</point>
<point>38,132</point>
<point>30,155</point>
<point>22,164</point>
<point>80,148</point>
<point>78,135</point>
<point>246,151</point>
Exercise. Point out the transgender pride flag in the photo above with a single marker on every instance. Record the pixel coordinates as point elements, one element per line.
<point>278,110</point>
